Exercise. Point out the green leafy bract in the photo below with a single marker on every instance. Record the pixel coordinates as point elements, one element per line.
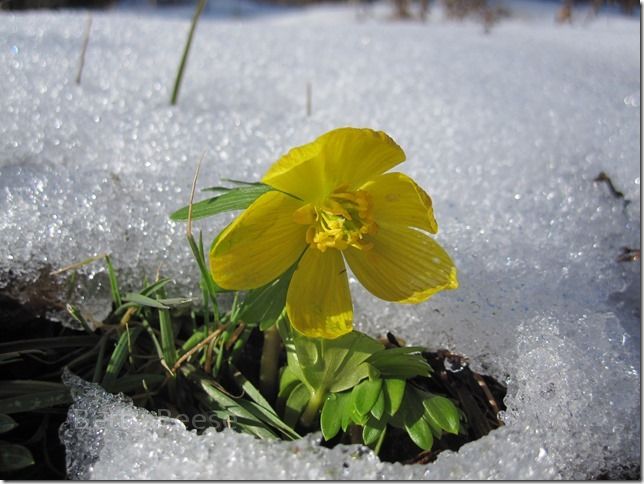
<point>335,365</point>
<point>443,413</point>
<point>238,198</point>
<point>330,419</point>
<point>265,304</point>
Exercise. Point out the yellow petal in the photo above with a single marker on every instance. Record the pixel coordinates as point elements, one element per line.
<point>398,201</point>
<point>318,301</point>
<point>342,157</point>
<point>404,265</point>
<point>300,172</point>
<point>355,156</point>
<point>261,244</point>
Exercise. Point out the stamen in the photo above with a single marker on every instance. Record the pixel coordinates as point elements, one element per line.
<point>344,220</point>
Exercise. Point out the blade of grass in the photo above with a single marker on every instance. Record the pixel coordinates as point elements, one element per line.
<point>239,408</point>
<point>167,337</point>
<point>18,387</point>
<point>120,353</point>
<point>35,401</point>
<point>99,360</point>
<point>75,313</point>
<point>111,274</point>
<point>157,346</point>
<point>268,411</point>
<point>198,252</point>
<point>186,51</point>
<point>151,289</point>
<point>130,383</point>
<point>142,300</point>
<point>48,343</point>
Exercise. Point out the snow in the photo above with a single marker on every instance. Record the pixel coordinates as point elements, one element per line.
<point>505,130</point>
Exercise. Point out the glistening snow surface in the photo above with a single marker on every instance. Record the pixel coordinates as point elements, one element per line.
<point>506,131</point>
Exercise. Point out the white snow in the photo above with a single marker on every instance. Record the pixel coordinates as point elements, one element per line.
<point>506,131</point>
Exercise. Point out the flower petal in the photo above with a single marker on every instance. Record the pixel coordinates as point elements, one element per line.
<point>318,301</point>
<point>261,244</point>
<point>344,156</point>
<point>398,201</point>
<point>355,156</point>
<point>404,265</point>
<point>300,172</point>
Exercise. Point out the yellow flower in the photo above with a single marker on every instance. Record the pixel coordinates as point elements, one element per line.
<point>333,202</point>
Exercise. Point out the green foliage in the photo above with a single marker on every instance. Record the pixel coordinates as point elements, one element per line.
<point>19,396</point>
<point>334,365</point>
<point>14,457</point>
<point>265,304</point>
<point>365,385</point>
<point>237,198</point>
<point>6,423</point>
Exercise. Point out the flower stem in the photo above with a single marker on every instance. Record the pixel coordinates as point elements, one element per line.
<point>381,439</point>
<point>268,364</point>
<point>313,407</point>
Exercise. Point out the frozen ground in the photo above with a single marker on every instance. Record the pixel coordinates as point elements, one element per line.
<point>506,131</point>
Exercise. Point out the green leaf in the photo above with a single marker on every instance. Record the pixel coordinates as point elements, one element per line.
<point>168,346</point>
<point>345,409</point>
<point>241,410</point>
<point>14,457</point>
<point>75,313</point>
<point>443,412</point>
<point>120,353</point>
<point>331,418</point>
<point>288,381</point>
<point>114,287</point>
<point>131,383</point>
<point>365,395</point>
<point>234,199</point>
<point>49,343</point>
<point>295,404</point>
<point>359,419</point>
<point>194,340</point>
<point>35,401</point>
<point>22,387</point>
<point>264,305</point>
<point>395,391</point>
<point>6,423</point>
<point>175,301</point>
<point>151,289</point>
<point>378,409</point>
<point>142,300</point>
<point>248,416</point>
<point>372,430</point>
<point>335,364</point>
<point>268,414</point>
<point>419,431</point>
<point>404,363</point>
<point>436,430</point>
<point>242,182</point>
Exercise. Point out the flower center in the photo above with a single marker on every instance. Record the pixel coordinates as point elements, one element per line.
<point>341,221</point>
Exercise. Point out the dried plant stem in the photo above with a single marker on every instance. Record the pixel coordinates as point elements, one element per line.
<point>196,348</point>
<point>184,58</point>
<point>81,63</point>
<point>309,99</point>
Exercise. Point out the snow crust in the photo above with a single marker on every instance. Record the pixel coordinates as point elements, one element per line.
<point>506,131</point>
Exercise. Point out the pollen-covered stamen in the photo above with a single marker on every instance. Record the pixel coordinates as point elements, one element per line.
<point>343,220</point>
